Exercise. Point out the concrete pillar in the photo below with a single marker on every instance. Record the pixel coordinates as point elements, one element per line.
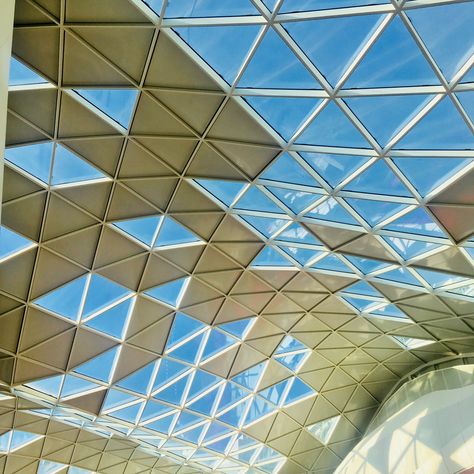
<point>7,9</point>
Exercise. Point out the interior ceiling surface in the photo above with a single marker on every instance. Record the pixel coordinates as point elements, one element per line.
<point>229,227</point>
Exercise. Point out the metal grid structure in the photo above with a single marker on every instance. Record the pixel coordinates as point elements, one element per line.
<point>229,228</point>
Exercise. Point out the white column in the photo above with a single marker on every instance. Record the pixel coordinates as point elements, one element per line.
<point>7,9</point>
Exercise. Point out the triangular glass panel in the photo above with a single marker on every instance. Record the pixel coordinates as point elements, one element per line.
<point>191,435</point>
<point>245,456</point>
<point>49,385</point>
<point>118,104</point>
<point>314,5</point>
<point>439,279</point>
<point>275,393</point>
<point>128,414</point>
<point>174,393</point>
<point>185,420</point>
<point>275,66</point>
<point>292,361</point>
<point>138,381</point>
<point>170,293</point>
<point>389,311</point>
<point>224,48</point>
<point>232,394</point>
<point>220,445</point>
<point>223,190</point>
<point>189,351</point>
<point>255,200</point>
<point>333,263</point>
<point>334,168</point>
<point>332,43</point>
<point>168,370</point>
<point>467,101</point>
<point>206,8</point>
<point>34,159</point>
<point>65,300</point>
<point>378,179</point>
<point>267,226</point>
<point>243,441</point>
<point>22,438</point>
<point>287,170</point>
<point>249,378</point>
<point>360,304</point>
<point>332,128</point>
<point>284,114</point>
<point>384,58</point>
<point>323,430</point>
<point>409,248</point>
<point>234,416</point>
<point>205,404</point>
<point>173,233</point>
<point>113,320</point>
<point>269,257</point>
<point>384,116</point>
<point>238,328</point>
<point>427,174</point>
<point>142,228</point>
<point>117,398</point>
<point>217,342</point>
<point>375,211</point>
<point>102,293</point>
<point>416,222</point>
<point>361,288</point>
<point>330,210</point>
<point>100,367</point>
<point>400,275</point>
<point>411,342</point>
<point>12,243</point>
<point>442,128</point>
<point>298,234</point>
<point>75,385</point>
<point>216,430</point>
<point>301,255</point>
<point>50,467</point>
<point>162,425</point>
<point>21,75</point>
<point>202,381</point>
<point>290,344</point>
<point>446,40</point>
<point>258,409</point>
<point>153,409</point>
<point>366,265</point>
<point>69,168</point>
<point>183,327</point>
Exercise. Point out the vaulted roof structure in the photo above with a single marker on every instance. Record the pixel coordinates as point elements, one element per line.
<point>229,227</point>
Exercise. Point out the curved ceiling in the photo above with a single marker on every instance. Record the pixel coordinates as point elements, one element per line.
<point>230,227</point>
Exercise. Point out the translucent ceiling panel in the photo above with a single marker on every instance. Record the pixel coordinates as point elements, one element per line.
<point>34,159</point>
<point>332,43</point>
<point>284,114</point>
<point>409,248</point>
<point>382,67</point>
<point>224,48</point>
<point>298,234</point>
<point>296,201</point>
<point>267,226</point>
<point>417,221</point>
<point>323,430</point>
<point>384,116</point>
<point>255,200</point>
<point>116,103</point>
<point>209,8</point>
<point>331,127</point>
<point>334,168</point>
<point>69,168</point>
<point>22,75</point>
<point>275,66</point>
<point>12,243</point>
<point>173,233</point>
<point>375,211</point>
<point>170,293</point>
<point>142,228</point>
<point>224,191</point>
<point>467,101</point>
<point>331,210</point>
<point>427,174</point>
<point>310,5</point>
<point>286,169</point>
<point>442,128</point>
<point>270,257</point>
<point>451,43</point>
<point>378,179</point>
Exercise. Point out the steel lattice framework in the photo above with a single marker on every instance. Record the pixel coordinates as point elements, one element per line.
<point>229,227</point>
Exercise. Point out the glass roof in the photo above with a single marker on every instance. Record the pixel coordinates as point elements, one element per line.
<point>371,104</point>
